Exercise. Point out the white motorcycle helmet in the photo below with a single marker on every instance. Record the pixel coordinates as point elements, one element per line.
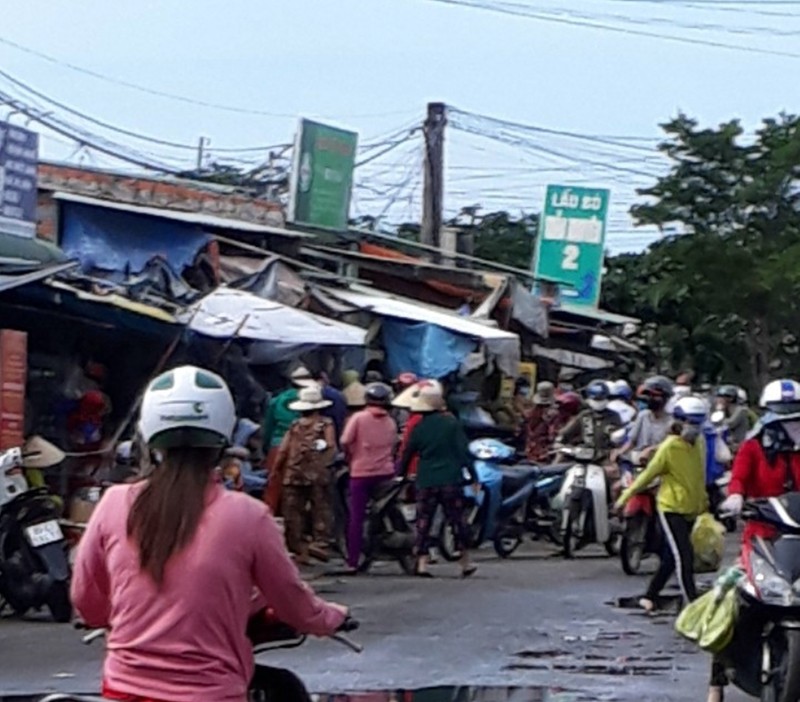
<point>187,406</point>
<point>692,410</point>
<point>781,397</point>
<point>621,389</point>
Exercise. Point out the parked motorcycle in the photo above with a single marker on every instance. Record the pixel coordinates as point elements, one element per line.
<point>585,498</point>
<point>515,499</point>
<point>641,535</point>
<point>765,654</point>
<point>34,570</point>
<point>388,532</point>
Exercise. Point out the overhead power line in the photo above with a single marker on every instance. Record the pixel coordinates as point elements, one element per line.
<point>575,21</point>
<point>120,130</point>
<point>167,95</point>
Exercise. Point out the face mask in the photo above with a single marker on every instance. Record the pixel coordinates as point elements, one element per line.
<point>597,405</point>
<point>655,404</point>
<point>525,392</point>
<point>772,437</point>
<point>792,430</point>
<point>690,432</point>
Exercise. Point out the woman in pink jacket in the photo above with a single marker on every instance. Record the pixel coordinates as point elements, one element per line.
<point>368,441</point>
<point>175,565</point>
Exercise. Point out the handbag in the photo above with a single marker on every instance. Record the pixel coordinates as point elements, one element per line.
<point>722,452</point>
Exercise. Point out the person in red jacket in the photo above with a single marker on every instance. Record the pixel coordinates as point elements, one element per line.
<point>766,465</point>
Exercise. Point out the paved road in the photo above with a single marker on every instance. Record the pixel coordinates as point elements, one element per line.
<point>534,621</point>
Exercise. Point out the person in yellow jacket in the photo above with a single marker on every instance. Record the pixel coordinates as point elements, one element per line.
<point>680,464</point>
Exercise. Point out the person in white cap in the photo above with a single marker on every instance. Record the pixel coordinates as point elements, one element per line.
<point>170,565</point>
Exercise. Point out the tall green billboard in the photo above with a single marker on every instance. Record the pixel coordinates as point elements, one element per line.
<point>322,175</point>
<point>569,247</point>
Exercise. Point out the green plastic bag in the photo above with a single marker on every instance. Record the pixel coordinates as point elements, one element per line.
<point>708,543</point>
<point>709,621</point>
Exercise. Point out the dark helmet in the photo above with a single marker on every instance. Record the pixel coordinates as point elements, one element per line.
<point>378,394</point>
<point>657,386</point>
<point>731,392</point>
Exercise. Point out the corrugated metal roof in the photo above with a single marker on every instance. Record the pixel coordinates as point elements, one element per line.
<point>592,313</point>
<point>199,218</point>
<point>9,281</point>
<point>414,310</point>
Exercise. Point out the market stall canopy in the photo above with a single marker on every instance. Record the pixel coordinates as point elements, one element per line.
<point>439,341</point>
<point>227,313</point>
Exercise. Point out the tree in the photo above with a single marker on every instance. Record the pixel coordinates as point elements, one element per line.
<point>501,238</point>
<point>722,296</point>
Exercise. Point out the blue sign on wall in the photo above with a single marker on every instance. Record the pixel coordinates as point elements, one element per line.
<point>19,155</point>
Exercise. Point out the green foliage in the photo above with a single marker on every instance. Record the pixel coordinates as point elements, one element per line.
<point>722,297</point>
<point>503,239</point>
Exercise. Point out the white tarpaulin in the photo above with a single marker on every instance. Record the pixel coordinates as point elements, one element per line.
<point>227,313</point>
<point>503,346</point>
<point>419,312</point>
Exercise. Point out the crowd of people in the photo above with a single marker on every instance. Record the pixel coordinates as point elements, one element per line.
<point>380,431</point>
<point>140,560</point>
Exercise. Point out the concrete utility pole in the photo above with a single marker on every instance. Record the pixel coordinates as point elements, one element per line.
<point>201,145</point>
<point>433,186</point>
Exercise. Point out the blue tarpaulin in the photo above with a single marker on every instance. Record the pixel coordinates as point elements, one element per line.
<point>110,240</point>
<point>422,348</point>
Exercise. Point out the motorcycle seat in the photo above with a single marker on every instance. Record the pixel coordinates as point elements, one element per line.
<point>516,478</point>
<point>555,469</point>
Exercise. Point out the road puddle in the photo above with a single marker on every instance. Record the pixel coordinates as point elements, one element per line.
<point>433,694</point>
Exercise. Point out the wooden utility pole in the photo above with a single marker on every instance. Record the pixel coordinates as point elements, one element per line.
<point>433,185</point>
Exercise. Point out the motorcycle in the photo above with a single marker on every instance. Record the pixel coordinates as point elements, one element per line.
<point>585,498</point>
<point>765,654</point>
<point>515,499</point>
<point>641,535</point>
<point>269,684</point>
<point>388,533</point>
<point>34,570</point>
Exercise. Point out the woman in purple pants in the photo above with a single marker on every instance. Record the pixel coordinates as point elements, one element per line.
<point>368,441</point>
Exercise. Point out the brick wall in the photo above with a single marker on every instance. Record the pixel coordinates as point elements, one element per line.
<point>146,192</point>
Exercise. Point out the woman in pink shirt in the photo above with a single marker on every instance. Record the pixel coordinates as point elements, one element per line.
<point>368,441</point>
<point>175,565</point>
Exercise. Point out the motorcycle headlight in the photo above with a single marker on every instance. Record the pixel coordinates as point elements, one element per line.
<point>771,586</point>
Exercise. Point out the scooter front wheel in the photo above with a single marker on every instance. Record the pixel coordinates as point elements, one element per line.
<point>58,602</point>
<point>447,543</point>
<point>506,543</point>
<point>631,549</point>
<point>783,684</point>
<point>571,540</point>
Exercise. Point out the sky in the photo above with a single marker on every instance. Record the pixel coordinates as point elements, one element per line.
<point>372,65</point>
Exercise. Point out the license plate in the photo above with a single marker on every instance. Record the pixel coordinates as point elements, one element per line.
<point>409,512</point>
<point>44,533</point>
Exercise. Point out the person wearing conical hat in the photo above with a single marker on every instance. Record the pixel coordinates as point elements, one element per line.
<point>303,469</point>
<point>278,417</point>
<point>38,454</point>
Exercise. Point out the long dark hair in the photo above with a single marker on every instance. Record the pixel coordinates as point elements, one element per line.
<point>166,513</point>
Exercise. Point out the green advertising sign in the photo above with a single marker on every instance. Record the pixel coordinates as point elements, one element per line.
<point>569,247</point>
<point>322,175</point>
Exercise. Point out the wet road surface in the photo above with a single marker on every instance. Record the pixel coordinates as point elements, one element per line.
<point>533,628</point>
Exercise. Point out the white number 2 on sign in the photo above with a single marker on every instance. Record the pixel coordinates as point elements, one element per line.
<point>570,260</point>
